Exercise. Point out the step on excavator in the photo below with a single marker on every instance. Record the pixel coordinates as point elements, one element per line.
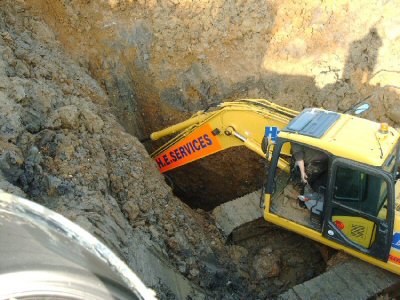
<point>352,206</point>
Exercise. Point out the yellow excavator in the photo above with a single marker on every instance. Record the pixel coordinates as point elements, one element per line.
<point>354,206</point>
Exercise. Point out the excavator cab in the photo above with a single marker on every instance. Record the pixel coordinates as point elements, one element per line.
<point>354,203</point>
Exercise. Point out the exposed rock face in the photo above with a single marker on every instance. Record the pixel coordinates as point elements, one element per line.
<point>168,59</point>
<point>193,53</point>
<point>266,264</point>
<point>60,146</point>
<point>68,83</point>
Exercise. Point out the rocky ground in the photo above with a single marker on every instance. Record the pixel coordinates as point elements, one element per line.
<point>62,147</point>
<point>81,81</point>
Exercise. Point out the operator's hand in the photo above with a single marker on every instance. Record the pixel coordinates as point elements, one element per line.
<point>304,177</point>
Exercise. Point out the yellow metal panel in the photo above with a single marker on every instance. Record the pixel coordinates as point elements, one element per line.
<point>267,202</point>
<point>317,236</point>
<point>353,138</point>
<point>358,230</point>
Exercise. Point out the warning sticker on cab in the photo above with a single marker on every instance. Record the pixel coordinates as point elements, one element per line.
<point>394,259</point>
<point>199,143</point>
<point>396,241</point>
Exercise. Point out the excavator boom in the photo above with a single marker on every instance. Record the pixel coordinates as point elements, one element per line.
<point>245,122</point>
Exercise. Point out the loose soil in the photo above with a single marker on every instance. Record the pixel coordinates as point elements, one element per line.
<point>81,82</point>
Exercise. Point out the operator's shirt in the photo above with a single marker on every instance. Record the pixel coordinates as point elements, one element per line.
<point>309,155</point>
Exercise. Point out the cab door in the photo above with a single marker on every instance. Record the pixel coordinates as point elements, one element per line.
<point>359,211</point>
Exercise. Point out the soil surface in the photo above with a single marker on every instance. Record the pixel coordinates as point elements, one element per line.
<point>81,82</point>
<point>61,146</point>
<point>285,258</point>
<point>160,61</point>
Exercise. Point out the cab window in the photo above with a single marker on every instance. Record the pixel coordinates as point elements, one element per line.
<point>349,184</point>
<point>360,191</point>
<point>359,202</point>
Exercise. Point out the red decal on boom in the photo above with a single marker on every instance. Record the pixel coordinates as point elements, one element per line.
<point>198,144</point>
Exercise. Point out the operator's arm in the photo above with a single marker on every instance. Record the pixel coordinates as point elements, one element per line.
<point>298,153</point>
<point>303,174</point>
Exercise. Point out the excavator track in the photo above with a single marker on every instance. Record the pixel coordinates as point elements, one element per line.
<point>353,279</point>
<point>236,213</point>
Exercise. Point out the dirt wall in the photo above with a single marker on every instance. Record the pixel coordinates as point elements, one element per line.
<point>184,55</point>
<point>75,74</point>
<point>160,61</point>
<point>61,146</point>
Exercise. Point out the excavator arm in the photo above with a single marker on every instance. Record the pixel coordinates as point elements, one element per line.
<point>245,122</point>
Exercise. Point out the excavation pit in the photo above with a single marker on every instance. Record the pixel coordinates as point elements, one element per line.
<point>71,70</point>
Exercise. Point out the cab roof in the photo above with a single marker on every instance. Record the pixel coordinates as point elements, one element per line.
<point>342,135</point>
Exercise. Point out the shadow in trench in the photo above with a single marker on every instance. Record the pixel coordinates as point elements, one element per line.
<point>235,172</point>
